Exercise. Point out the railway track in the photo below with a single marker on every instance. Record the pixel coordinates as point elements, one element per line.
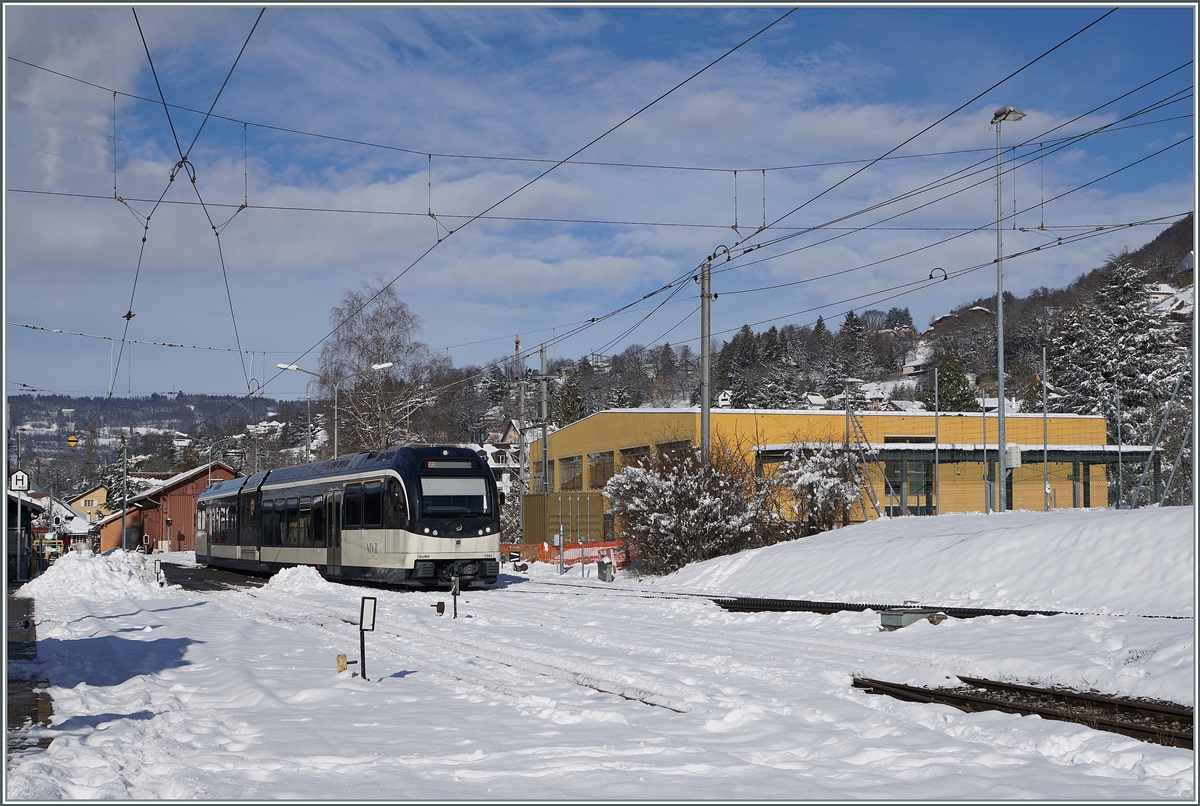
<point>429,649</point>
<point>755,604</point>
<point>1160,723</point>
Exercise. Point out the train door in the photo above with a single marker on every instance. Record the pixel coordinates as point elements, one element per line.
<point>333,532</point>
<point>249,533</point>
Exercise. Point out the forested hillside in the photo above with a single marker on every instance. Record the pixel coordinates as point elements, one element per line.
<point>1103,337</point>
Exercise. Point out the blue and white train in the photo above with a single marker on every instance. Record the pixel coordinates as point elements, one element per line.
<point>408,516</point>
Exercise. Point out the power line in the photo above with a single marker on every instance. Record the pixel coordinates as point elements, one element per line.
<point>530,160</point>
<point>135,341</point>
<point>929,186</point>
<point>184,164</point>
<point>578,151</point>
<point>937,122</point>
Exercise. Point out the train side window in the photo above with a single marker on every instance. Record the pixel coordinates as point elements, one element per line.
<point>352,507</point>
<point>304,522</point>
<point>293,522</point>
<point>270,520</point>
<point>372,503</point>
<point>333,503</point>
<point>318,521</point>
<point>395,506</point>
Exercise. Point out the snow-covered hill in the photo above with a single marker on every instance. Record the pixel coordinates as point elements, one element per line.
<point>1101,561</point>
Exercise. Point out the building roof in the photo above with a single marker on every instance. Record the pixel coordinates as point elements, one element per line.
<point>88,492</point>
<point>1135,451</point>
<point>179,479</point>
<point>71,520</point>
<point>27,501</point>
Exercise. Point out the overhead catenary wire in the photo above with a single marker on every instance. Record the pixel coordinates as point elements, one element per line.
<point>422,152</point>
<point>1066,140</point>
<point>981,227</point>
<point>927,128</point>
<point>765,216</point>
<point>958,175</point>
<point>937,122</point>
<point>901,196</point>
<point>146,223</point>
<point>187,167</point>
<point>508,196</point>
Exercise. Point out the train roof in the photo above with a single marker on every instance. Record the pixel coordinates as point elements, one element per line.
<point>391,457</point>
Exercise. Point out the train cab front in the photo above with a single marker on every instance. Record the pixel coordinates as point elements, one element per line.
<point>458,521</point>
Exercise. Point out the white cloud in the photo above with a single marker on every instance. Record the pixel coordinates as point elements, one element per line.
<point>513,82</point>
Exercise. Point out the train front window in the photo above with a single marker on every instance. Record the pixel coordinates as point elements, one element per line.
<point>448,497</point>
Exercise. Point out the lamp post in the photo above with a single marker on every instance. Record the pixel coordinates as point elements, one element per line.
<point>336,385</point>
<point>1002,114</point>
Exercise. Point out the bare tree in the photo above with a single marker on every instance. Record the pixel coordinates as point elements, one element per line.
<point>374,327</point>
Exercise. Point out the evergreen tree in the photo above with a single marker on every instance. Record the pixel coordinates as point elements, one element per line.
<point>675,510</point>
<point>1116,344</point>
<point>852,348</point>
<point>954,393</point>
<point>569,405</point>
<point>779,389</point>
<point>621,397</point>
<point>189,458</point>
<point>897,317</point>
<point>119,478</point>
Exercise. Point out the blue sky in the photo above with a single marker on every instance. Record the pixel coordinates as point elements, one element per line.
<point>827,88</point>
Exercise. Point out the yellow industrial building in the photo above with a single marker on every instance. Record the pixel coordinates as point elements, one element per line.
<point>919,463</point>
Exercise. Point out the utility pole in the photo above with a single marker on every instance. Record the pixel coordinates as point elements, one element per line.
<point>1120,451</point>
<point>520,416</point>
<point>19,530</point>
<point>545,423</point>
<point>937,507</point>
<point>705,338</point>
<point>1045,441</point>
<point>124,487</point>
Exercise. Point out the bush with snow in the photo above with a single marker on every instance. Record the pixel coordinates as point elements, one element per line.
<point>675,510</point>
<point>821,486</point>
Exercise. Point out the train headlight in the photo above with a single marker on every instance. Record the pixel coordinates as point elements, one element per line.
<point>435,532</point>
<point>426,530</point>
<point>487,529</point>
<point>480,533</point>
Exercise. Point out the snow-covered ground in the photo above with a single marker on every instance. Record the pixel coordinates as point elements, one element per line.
<point>557,687</point>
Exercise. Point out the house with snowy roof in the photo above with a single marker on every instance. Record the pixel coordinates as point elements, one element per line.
<point>164,517</point>
<point>1159,292</point>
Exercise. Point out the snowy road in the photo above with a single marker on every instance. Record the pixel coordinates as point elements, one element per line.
<point>539,691</point>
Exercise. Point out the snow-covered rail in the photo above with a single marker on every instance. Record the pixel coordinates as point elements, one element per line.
<point>425,648</point>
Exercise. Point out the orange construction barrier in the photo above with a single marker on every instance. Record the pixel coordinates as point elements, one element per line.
<point>591,552</point>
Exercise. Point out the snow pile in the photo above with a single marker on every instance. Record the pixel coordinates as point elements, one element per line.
<point>96,577</point>
<point>1103,561</point>
<point>300,579</point>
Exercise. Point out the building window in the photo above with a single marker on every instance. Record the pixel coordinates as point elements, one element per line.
<point>570,473</point>
<point>537,476</point>
<point>89,502</point>
<point>679,446</point>
<point>600,469</point>
<point>630,456</point>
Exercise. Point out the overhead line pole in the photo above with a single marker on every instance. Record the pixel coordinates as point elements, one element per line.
<point>705,358</point>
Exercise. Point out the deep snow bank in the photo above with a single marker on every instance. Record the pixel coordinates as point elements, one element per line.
<point>1106,561</point>
<point>98,577</point>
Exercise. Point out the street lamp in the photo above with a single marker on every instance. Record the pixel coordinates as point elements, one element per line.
<point>1002,114</point>
<point>336,384</point>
